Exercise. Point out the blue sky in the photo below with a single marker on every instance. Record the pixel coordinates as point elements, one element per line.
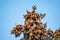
<point>12,11</point>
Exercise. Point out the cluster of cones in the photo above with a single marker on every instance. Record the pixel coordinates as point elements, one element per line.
<point>34,29</point>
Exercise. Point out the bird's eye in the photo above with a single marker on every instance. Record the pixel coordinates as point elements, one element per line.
<point>27,18</point>
<point>31,24</point>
